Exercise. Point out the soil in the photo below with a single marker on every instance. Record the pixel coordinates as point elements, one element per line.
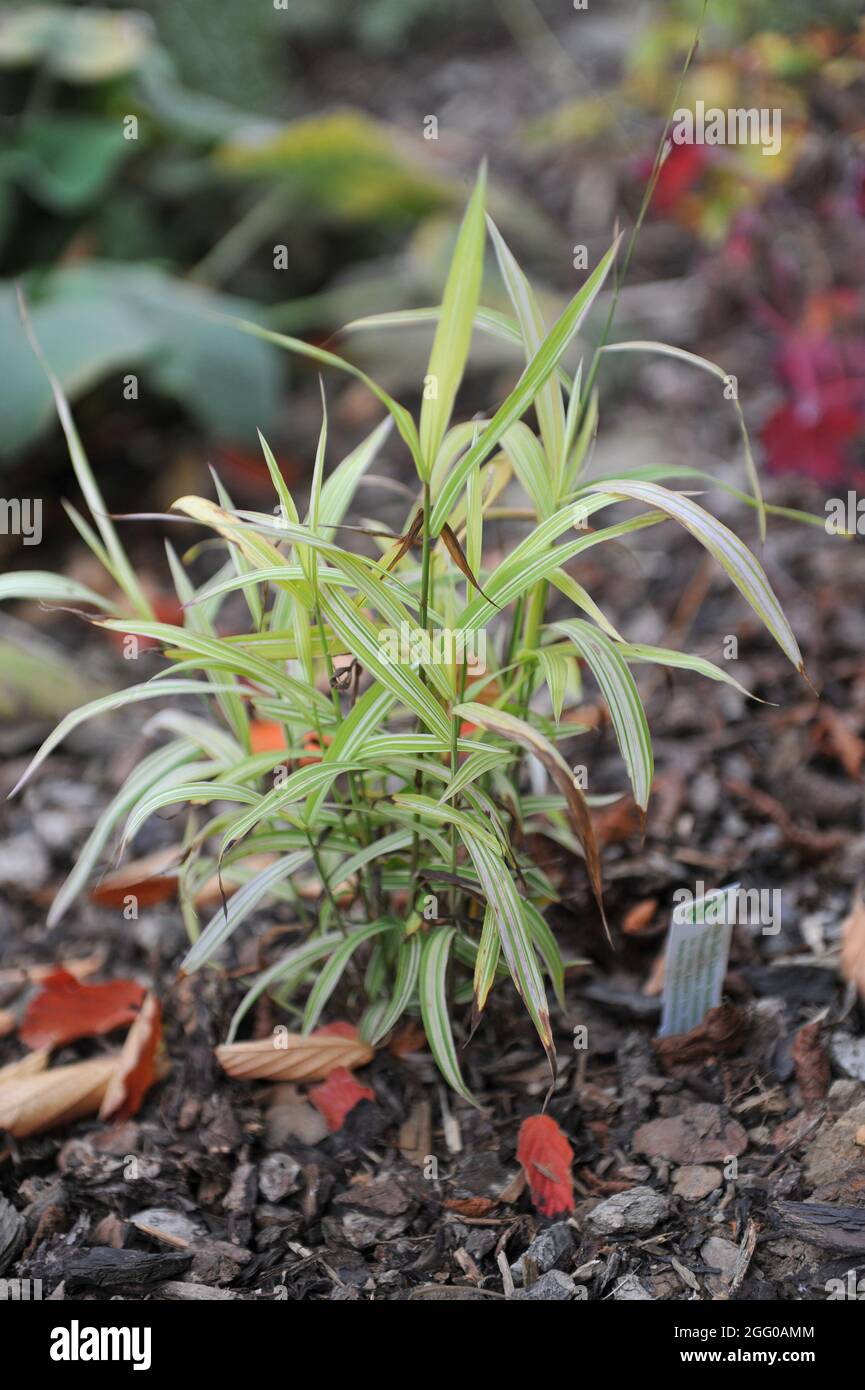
<point>743,1135</point>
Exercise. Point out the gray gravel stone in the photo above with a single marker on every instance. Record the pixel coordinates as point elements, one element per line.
<point>278,1175</point>
<point>720,1254</point>
<point>552,1287</point>
<point>24,865</point>
<point>630,1290</point>
<point>696,1181</point>
<point>549,1249</point>
<point>848,1054</point>
<point>640,1209</point>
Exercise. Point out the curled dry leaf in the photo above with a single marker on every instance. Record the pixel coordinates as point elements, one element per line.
<point>30,1065</point>
<point>48,1099</point>
<point>336,1097</point>
<point>295,1056</point>
<point>64,1009</point>
<point>546,1157</point>
<point>720,1034</point>
<point>33,1100</point>
<point>140,1063</point>
<point>853,945</point>
<point>811,1061</point>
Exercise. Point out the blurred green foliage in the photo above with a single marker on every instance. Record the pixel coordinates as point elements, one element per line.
<point>109,158</point>
<point>742,18</point>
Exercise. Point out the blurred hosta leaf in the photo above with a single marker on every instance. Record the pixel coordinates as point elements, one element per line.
<point>78,45</point>
<point>64,161</point>
<point>342,162</point>
<point>95,319</point>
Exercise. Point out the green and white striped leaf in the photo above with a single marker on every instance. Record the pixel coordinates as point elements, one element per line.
<point>109,550</point>
<point>567,585</point>
<point>119,699</point>
<point>548,402</point>
<point>353,733</point>
<point>159,768</point>
<point>41,586</point>
<point>364,642</point>
<point>185,792</point>
<point>404,985</point>
<point>477,764</point>
<point>714,370</point>
<point>555,668</point>
<point>239,906</point>
<point>516,943</point>
<point>544,362</point>
<point>665,656</point>
<point>453,333</point>
<point>290,968</point>
<point>489,321</point>
<point>531,467</point>
<point>339,488</point>
<point>520,732</point>
<point>735,558</point>
<point>379,849</point>
<point>330,974</point>
<point>401,416</point>
<point>581,449</point>
<point>548,949</point>
<point>295,788</point>
<point>486,962</point>
<point>433,995</point>
<point>623,699</point>
<point>448,815</point>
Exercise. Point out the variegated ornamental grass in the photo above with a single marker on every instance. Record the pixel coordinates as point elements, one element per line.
<point>424,900</point>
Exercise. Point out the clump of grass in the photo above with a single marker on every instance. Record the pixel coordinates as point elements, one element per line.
<point>401,790</point>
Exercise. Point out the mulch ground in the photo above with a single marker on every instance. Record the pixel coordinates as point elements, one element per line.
<point>728,1165</point>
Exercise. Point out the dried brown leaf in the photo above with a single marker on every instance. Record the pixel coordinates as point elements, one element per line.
<point>30,1065</point>
<point>48,1099</point>
<point>811,1061</point>
<point>853,944</point>
<point>139,1064</point>
<point>721,1033</point>
<point>457,554</point>
<point>292,1057</point>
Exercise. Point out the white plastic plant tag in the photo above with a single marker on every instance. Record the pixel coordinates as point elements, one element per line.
<point>696,961</point>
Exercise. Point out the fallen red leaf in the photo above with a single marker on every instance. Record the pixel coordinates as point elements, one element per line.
<point>266,736</point>
<point>340,1029</point>
<point>546,1157</point>
<point>64,1009</point>
<point>337,1096</point>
